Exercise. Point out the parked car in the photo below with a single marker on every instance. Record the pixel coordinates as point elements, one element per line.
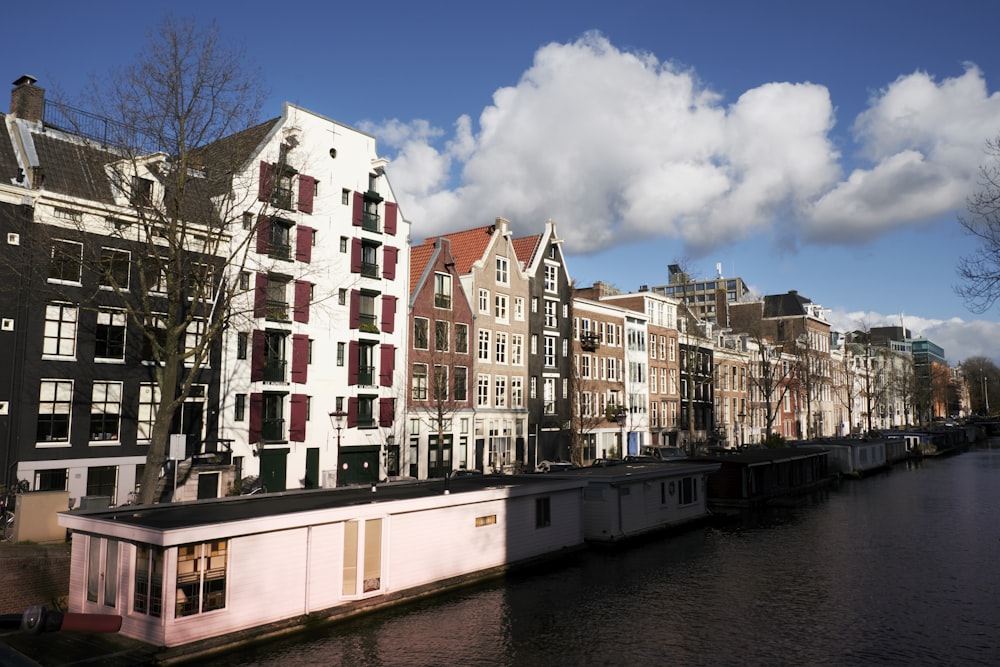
<point>553,466</point>
<point>664,453</point>
<point>464,472</point>
<point>605,463</point>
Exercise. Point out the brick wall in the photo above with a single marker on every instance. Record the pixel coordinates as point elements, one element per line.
<point>32,575</point>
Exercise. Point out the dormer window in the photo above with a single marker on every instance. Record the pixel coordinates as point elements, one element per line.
<point>142,191</point>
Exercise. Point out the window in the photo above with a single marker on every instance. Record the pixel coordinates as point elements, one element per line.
<point>517,392</point>
<point>142,191</point>
<point>484,301</point>
<point>484,345</point>
<point>193,334</point>
<point>105,410</point>
<point>369,259</point>
<point>519,308</point>
<point>442,291</point>
<point>549,396</point>
<point>503,277</point>
<point>53,479</point>
<point>551,313</point>
<point>483,390</point>
<point>155,275</point>
<point>366,411</point>
<point>247,220</point>
<point>442,332</point>
<point>367,319</point>
<point>421,334</point>
<point>342,296</point>
<point>67,261</point>
<point>102,481</point>
<point>240,408</point>
<point>244,280</point>
<point>201,577</point>
<point>366,363</point>
<point>273,417</point>
<point>277,299</point>
<point>242,343</point>
<point>551,278</point>
<point>501,307</point>
<point>550,351</point>
<point>149,399</point>
<point>275,358</point>
<point>114,268</point>
<point>102,571</point>
<point>543,512</point>
<point>689,491</point>
<point>148,592</point>
<point>281,194</point>
<point>418,390</point>
<point>345,197</point>
<point>441,387</point>
<point>517,349</point>
<point>59,336</point>
<point>461,383</point>
<point>340,353</point>
<point>55,398</point>
<point>279,244</point>
<point>109,336</point>
<point>500,391</point>
<point>462,338</point>
<point>501,347</point>
<point>343,244</point>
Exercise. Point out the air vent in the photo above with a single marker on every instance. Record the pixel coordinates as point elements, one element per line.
<point>333,153</point>
<point>6,324</point>
<point>13,239</point>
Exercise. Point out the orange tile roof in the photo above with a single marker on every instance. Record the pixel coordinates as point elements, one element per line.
<point>467,247</point>
<point>526,247</point>
<point>419,256</point>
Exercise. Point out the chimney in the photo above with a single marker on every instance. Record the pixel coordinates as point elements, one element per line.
<point>27,100</point>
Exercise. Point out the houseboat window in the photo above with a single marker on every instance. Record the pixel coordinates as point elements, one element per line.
<point>373,555</point>
<point>543,512</point>
<point>102,565</point>
<point>488,520</point>
<point>148,580</point>
<point>350,558</point>
<point>201,577</point>
<point>689,491</point>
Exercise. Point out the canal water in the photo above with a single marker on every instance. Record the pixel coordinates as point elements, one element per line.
<point>902,568</point>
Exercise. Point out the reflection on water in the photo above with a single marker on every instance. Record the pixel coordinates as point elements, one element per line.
<point>900,568</point>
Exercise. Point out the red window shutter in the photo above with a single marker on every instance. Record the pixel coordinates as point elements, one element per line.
<point>388,323</point>
<point>304,243</point>
<point>257,356</point>
<point>256,417</point>
<point>389,255</point>
<point>266,184</point>
<point>303,290</point>
<point>355,318</point>
<point>263,234</point>
<point>358,215</point>
<point>386,411</point>
<point>355,255</point>
<point>387,364</point>
<point>300,358</point>
<point>352,362</point>
<point>352,412</point>
<point>297,418</point>
<point>260,296</point>
<point>307,189</point>
<point>390,217</point>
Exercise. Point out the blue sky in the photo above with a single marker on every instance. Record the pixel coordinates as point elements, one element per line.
<point>823,147</point>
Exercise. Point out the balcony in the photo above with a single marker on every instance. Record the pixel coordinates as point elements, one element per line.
<point>279,251</point>
<point>366,376</point>
<point>371,222</point>
<point>282,197</point>
<point>367,323</point>
<point>369,270</point>
<point>442,301</point>
<point>273,430</point>
<point>589,341</point>
<point>277,310</point>
<point>274,370</point>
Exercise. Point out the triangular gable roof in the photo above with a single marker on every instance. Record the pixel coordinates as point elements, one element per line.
<point>785,305</point>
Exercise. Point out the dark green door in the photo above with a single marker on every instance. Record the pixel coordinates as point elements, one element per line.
<point>273,469</point>
<point>358,465</point>
<point>312,468</point>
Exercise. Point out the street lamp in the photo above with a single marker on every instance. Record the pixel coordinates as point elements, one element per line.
<point>337,421</point>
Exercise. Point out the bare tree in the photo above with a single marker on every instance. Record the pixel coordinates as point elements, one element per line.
<point>980,271</point>
<point>982,377</point>
<point>586,418</point>
<point>178,111</point>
